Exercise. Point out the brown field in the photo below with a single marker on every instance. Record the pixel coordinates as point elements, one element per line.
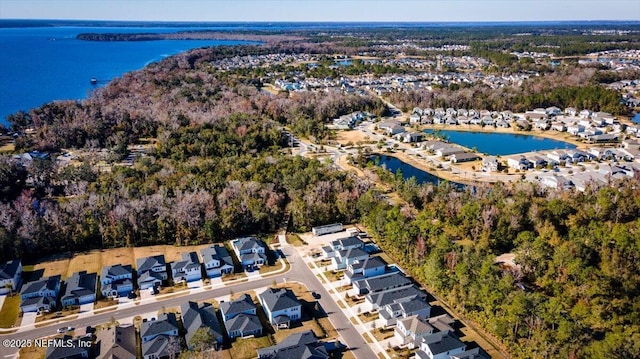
<point>93,261</point>
<point>354,136</point>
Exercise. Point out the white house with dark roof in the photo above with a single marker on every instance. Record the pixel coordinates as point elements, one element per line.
<point>10,275</point>
<point>166,324</point>
<point>440,345</point>
<point>188,269</point>
<point>196,316</point>
<point>116,281</point>
<point>250,251</point>
<point>403,308</point>
<point>40,295</point>
<point>393,280</point>
<point>410,331</point>
<point>345,257</point>
<point>243,325</point>
<point>281,306</point>
<point>240,317</point>
<point>152,271</point>
<point>378,300</point>
<point>342,244</point>
<point>369,267</point>
<point>216,261</point>
<point>80,289</point>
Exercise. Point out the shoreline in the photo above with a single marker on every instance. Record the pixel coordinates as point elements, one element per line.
<point>548,134</point>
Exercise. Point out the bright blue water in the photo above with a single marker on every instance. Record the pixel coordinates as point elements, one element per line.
<point>393,164</point>
<point>501,143</point>
<point>42,64</point>
<point>636,118</point>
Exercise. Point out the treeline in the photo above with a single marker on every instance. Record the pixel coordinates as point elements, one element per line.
<point>201,184</point>
<point>577,88</point>
<point>573,290</point>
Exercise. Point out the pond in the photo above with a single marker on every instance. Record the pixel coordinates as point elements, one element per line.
<point>393,164</point>
<point>636,118</point>
<point>501,143</point>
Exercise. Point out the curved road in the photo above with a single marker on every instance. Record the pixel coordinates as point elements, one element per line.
<point>299,272</point>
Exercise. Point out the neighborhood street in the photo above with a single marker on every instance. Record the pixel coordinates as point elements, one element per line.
<point>299,272</point>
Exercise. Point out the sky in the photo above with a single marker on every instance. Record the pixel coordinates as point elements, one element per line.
<point>322,10</point>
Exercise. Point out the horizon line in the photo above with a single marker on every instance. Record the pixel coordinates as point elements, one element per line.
<point>323,21</point>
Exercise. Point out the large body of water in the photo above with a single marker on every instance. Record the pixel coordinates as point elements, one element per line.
<point>501,143</point>
<point>393,164</point>
<point>42,64</point>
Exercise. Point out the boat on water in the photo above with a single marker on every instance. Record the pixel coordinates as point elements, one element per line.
<point>93,81</point>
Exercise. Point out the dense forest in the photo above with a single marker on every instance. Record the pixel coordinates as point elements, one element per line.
<point>573,290</point>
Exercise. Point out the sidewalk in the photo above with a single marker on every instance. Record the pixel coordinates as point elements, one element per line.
<point>29,319</point>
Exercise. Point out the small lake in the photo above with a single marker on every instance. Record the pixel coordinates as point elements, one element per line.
<point>501,143</point>
<point>636,118</point>
<point>393,164</point>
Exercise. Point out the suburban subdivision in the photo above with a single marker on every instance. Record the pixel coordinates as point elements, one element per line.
<point>342,190</point>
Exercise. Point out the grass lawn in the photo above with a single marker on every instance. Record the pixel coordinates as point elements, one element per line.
<point>113,256</point>
<point>368,317</point>
<point>334,276</point>
<point>381,334</point>
<point>10,311</point>
<point>401,353</point>
<point>353,300</point>
<point>103,303</point>
<point>281,334</point>
<point>246,348</point>
<point>33,352</point>
<point>90,262</point>
<point>295,240</point>
<point>233,276</point>
<point>55,267</point>
<point>332,333</point>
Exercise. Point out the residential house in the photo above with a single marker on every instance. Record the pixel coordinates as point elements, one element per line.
<point>81,289</point>
<point>448,151</point>
<point>403,308</point>
<point>188,269</point>
<point>166,324</point>
<point>349,256</point>
<point>463,157</point>
<point>117,342</point>
<point>519,163</point>
<point>303,345</point>
<point>230,309</point>
<point>40,295</point>
<point>281,306</point>
<point>161,347</point>
<point>196,316</point>
<point>380,283</point>
<point>410,331</point>
<point>440,345</point>
<point>250,251</point>
<point>152,271</point>
<point>378,300</point>
<point>243,325</point>
<point>10,276</point>
<point>342,244</point>
<point>575,129</point>
<point>490,164</point>
<point>116,281</point>
<point>369,267</point>
<point>474,353</point>
<point>216,260</point>
<point>411,137</point>
<point>240,317</point>
<point>79,348</point>
<point>558,126</point>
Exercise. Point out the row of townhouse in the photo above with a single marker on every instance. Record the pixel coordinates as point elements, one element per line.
<point>398,302</point>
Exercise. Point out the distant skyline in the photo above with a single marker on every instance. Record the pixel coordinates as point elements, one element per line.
<point>323,10</point>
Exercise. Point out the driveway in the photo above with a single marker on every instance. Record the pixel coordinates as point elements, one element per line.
<point>28,321</point>
<point>86,310</point>
<point>195,284</point>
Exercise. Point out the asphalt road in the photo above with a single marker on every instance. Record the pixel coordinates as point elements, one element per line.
<point>299,272</point>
